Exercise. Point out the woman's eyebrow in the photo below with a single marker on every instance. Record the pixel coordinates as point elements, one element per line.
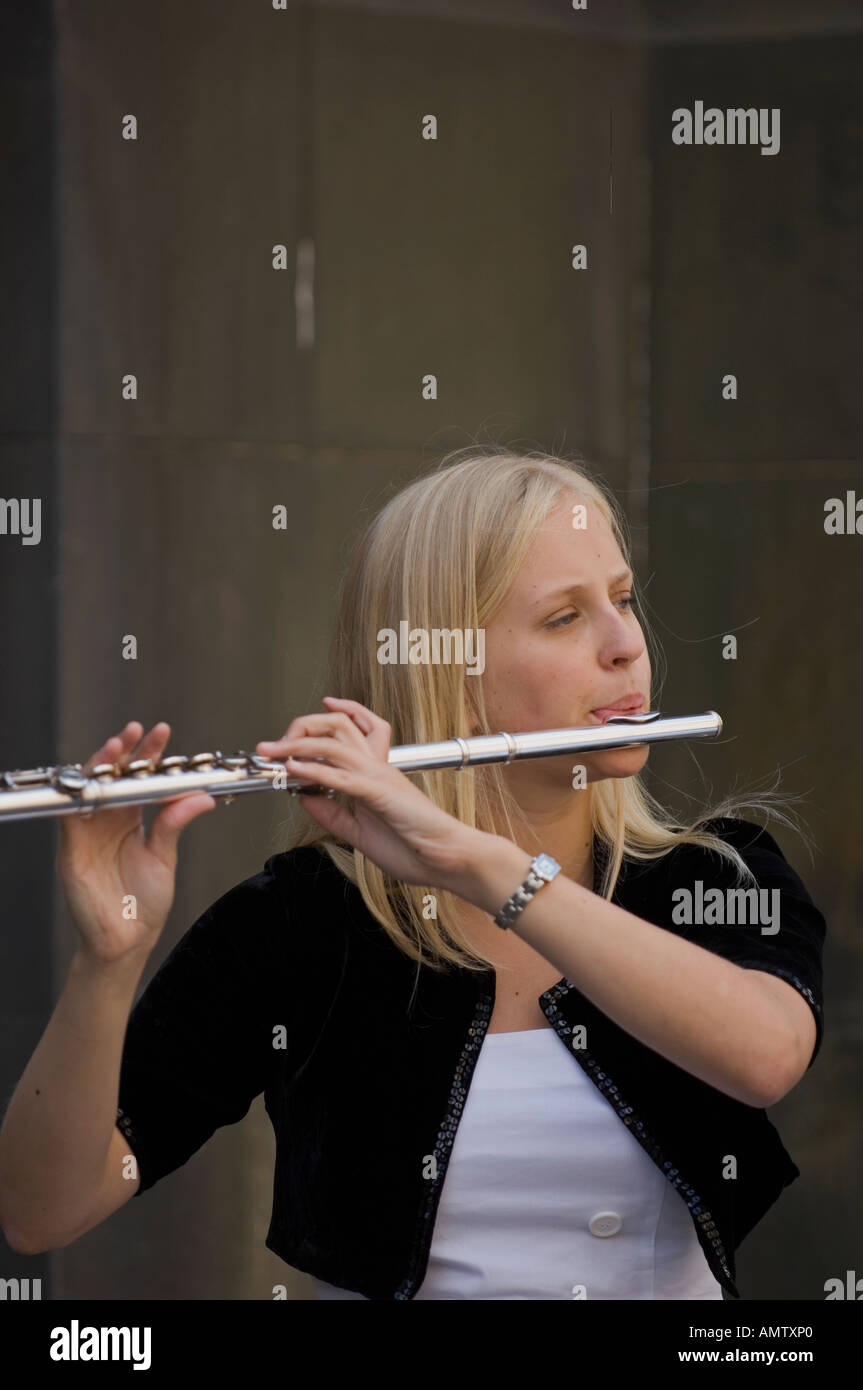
<point>623,576</point>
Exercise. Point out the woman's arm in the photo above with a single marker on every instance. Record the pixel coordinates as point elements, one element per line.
<point>744,1032</point>
<point>737,1029</point>
<point>60,1150</point>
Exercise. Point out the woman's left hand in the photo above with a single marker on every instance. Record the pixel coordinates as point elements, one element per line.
<point>395,824</point>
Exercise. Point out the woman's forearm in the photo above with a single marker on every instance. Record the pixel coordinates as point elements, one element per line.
<point>701,1012</point>
<point>58,1126</point>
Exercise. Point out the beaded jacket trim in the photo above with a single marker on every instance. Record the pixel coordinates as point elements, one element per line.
<point>444,1141</point>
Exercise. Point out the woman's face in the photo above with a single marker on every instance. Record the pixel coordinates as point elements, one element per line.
<point>565,642</point>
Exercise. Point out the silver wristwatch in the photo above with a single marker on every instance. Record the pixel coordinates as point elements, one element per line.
<point>542,870</point>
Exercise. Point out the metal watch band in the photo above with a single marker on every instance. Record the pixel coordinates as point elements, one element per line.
<point>542,870</point>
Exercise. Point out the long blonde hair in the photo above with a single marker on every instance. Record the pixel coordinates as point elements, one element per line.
<point>443,553</point>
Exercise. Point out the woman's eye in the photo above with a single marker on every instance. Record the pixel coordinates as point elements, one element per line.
<point>567,618</point>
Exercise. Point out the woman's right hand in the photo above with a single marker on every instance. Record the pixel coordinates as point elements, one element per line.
<point>104,857</point>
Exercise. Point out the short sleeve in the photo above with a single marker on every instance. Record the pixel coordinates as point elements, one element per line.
<point>198,1044</point>
<point>787,943</point>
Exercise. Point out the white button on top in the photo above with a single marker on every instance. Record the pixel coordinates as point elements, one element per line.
<point>605,1223</point>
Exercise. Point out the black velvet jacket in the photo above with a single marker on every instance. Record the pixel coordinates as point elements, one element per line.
<point>288,986</point>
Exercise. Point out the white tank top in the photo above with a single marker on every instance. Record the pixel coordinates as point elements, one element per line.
<point>547,1195</point>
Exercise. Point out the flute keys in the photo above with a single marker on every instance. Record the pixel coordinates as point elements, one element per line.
<point>141,767</point>
<point>70,779</point>
<point>173,765</point>
<point>30,777</point>
<point>201,760</point>
<point>105,771</point>
<point>254,761</point>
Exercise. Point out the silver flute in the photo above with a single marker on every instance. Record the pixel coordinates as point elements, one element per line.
<point>68,790</point>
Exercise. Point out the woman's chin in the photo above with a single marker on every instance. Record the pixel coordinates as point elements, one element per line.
<point>616,762</point>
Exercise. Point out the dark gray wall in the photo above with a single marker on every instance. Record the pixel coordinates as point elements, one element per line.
<point>756,271</point>
<point>29,661</point>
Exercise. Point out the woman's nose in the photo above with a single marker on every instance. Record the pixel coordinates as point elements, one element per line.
<point>625,641</point>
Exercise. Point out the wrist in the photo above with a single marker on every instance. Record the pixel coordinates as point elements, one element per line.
<point>493,869</point>
<point>122,974</point>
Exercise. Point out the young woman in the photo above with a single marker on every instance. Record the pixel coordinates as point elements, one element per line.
<point>476,1092</point>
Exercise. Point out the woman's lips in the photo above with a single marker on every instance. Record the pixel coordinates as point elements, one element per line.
<point>633,707</point>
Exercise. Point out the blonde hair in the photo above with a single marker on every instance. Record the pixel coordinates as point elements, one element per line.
<point>443,553</point>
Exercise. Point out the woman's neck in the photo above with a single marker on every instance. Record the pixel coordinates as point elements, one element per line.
<point>567,838</point>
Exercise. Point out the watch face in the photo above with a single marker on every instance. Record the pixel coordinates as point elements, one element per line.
<point>545,866</point>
